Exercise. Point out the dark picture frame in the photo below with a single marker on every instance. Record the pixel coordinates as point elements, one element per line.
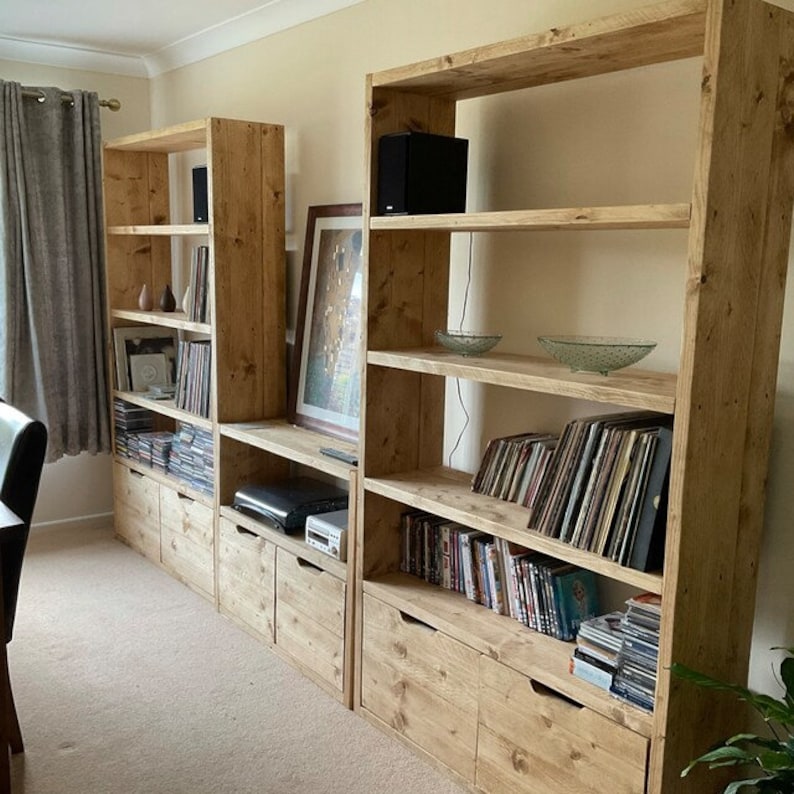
<point>325,377</point>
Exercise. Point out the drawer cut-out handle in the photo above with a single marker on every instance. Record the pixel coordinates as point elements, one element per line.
<point>185,497</point>
<point>245,531</point>
<point>138,474</point>
<point>310,565</point>
<point>548,692</point>
<point>412,621</point>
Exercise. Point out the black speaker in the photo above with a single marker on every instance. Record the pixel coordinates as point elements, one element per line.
<point>200,201</point>
<point>420,173</point>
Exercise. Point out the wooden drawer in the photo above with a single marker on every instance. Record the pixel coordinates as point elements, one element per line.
<point>136,501</point>
<point>247,578</point>
<point>533,740</point>
<point>422,683</point>
<point>186,546</point>
<point>310,617</point>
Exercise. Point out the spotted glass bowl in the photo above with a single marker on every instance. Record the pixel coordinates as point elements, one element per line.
<point>602,354</point>
<point>465,343</point>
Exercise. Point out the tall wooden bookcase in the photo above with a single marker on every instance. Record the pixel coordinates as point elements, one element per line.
<point>477,692</point>
<point>293,598</point>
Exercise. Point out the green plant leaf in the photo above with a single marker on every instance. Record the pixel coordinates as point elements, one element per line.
<point>759,741</point>
<point>787,674</point>
<point>775,762</point>
<point>732,788</point>
<point>769,708</point>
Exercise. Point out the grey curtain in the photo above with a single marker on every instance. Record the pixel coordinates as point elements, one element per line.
<point>52,299</point>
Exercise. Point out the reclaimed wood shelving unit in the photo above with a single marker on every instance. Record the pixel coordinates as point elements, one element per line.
<point>293,598</point>
<point>480,695</point>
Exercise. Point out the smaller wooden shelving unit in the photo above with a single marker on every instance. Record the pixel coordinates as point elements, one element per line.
<point>292,597</point>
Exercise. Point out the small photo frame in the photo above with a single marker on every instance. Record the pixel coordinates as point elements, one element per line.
<point>325,377</point>
<point>139,340</point>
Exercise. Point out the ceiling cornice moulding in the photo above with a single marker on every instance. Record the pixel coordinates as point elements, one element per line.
<point>271,17</point>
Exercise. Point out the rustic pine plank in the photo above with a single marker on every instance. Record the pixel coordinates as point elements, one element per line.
<point>162,229</point>
<point>639,37</point>
<point>631,387</point>
<point>651,216</point>
<point>298,444</point>
<point>728,368</point>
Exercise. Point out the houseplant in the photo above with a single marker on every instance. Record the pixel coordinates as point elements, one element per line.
<point>772,758</point>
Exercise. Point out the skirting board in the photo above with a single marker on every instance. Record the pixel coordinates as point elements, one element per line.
<point>97,521</point>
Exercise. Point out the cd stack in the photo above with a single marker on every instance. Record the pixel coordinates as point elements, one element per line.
<point>635,679</point>
<point>129,421</point>
<point>598,643</point>
<point>191,457</point>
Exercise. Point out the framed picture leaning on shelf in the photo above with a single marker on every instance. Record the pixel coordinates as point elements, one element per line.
<point>325,383</point>
<point>142,340</point>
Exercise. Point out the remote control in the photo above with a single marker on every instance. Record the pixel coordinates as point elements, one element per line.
<point>339,455</point>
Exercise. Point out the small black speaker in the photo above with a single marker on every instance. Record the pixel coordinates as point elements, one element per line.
<point>420,173</point>
<point>200,201</point>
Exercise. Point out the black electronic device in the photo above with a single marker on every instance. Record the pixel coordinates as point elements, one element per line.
<point>285,505</point>
<point>420,173</point>
<point>200,198</point>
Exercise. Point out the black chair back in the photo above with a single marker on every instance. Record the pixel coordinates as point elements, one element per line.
<point>23,443</point>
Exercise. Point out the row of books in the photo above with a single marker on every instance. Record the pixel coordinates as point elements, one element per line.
<point>198,301</point>
<point>601,486</point>
<point>619,651</point>
<point>193,376</point>
<point>543,593</point>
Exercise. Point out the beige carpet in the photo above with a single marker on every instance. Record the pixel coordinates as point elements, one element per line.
<point>126,682</point>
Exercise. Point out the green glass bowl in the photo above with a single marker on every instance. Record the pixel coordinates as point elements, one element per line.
<point>465,343</point>
<point>602,354</point>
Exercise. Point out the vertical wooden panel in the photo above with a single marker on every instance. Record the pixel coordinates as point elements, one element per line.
<point>737,263</point>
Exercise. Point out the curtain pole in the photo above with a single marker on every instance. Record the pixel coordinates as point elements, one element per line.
<point>32,93</point>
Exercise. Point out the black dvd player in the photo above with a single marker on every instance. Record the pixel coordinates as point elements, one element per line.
<point>285,505</point>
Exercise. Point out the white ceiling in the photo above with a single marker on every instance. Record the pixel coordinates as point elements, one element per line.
<point>143,37</point>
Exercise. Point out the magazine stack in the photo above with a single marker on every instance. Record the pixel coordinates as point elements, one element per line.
<point>598,644</point>
<point>635,679</point>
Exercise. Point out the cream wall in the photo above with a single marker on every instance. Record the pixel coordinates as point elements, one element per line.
<point>614,139</point>
<point>81,486</point>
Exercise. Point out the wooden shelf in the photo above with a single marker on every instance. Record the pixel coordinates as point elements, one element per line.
<point>651,216</point>
<point>630,387</point>
<point>447,493</point>
<point>166,479</point>
<point>178,138</point>
<point>295,443</point>
<point>292,543</point>
<point>536,655</point>
<point>161,230</point>
<point>164,407</point>
<point>654,34</point>
<point>165,319</point>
